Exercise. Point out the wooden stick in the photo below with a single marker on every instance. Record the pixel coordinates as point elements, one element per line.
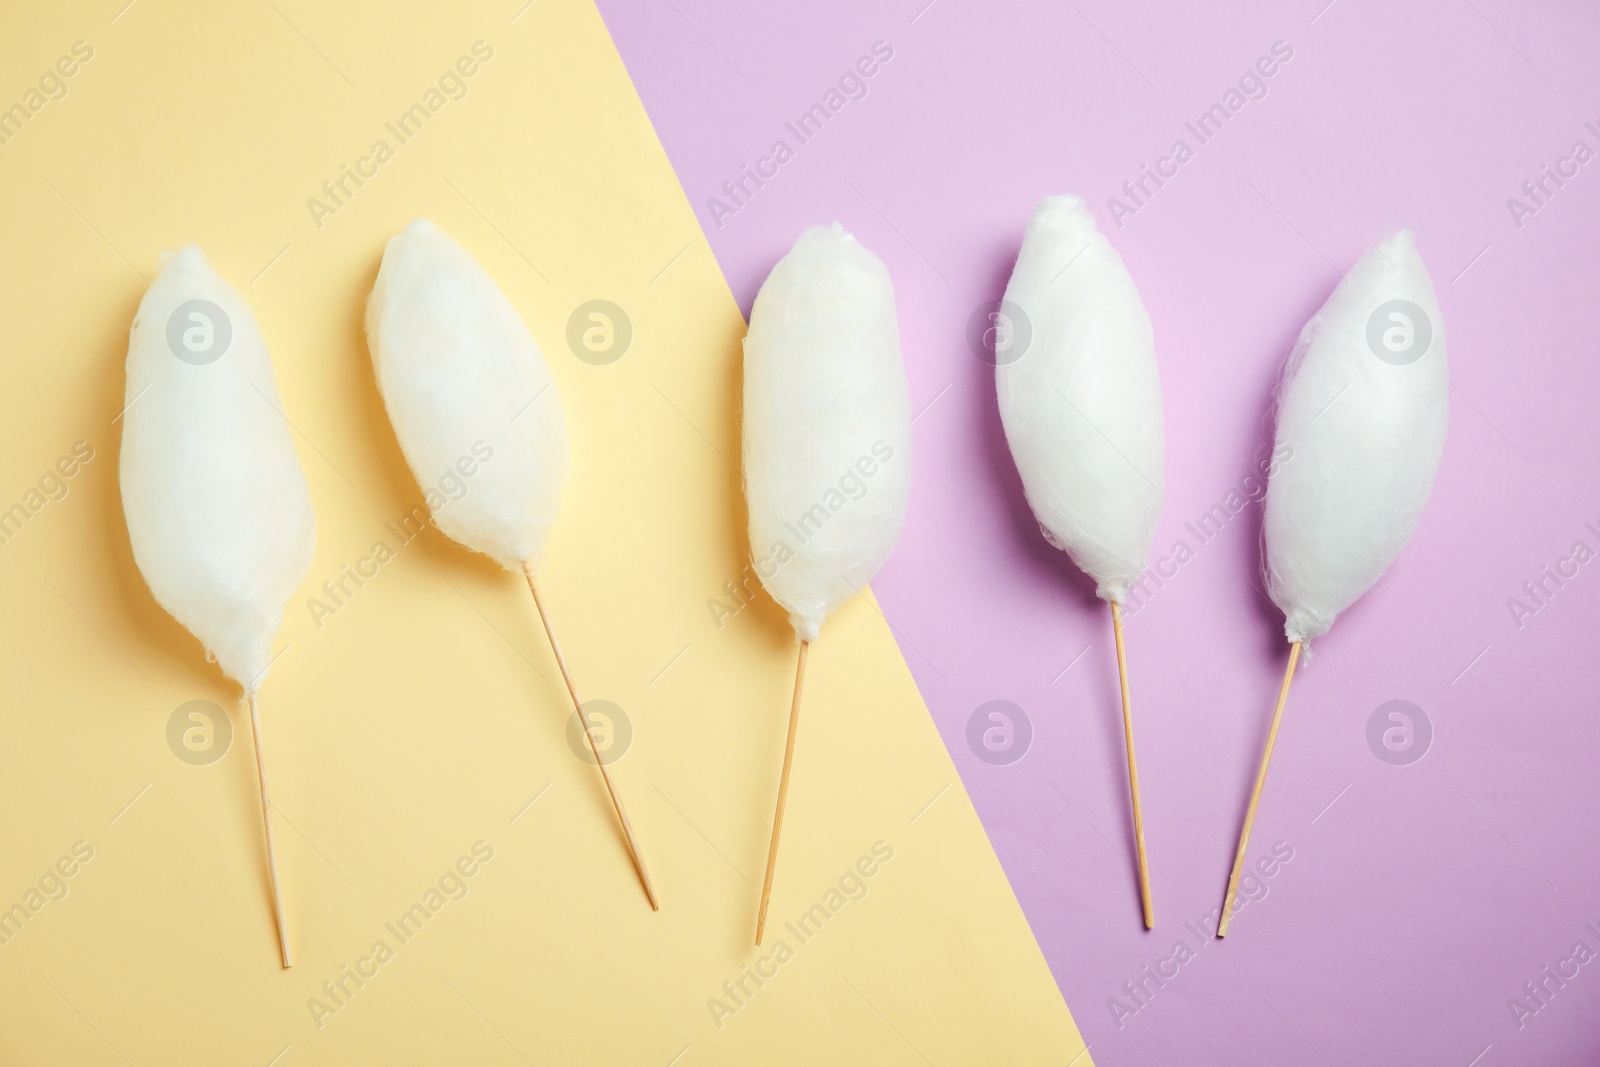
<point>266,821</point>
<point>1255,794</point>
<point>783,791</point>
<point>1133,769</point>
<point>572,689</point>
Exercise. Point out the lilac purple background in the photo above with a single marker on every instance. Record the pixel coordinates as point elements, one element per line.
<point>1419,898</point>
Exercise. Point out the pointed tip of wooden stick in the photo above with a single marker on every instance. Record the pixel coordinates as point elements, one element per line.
<point>599,759</point>
<point>1227,911</point>
<point>1227,915</point>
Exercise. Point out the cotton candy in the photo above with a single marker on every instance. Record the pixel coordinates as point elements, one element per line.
<point>827,426</point>
<point>469,394</point>
<point>1079,396</point>
<point>217,506</point>
<point>1361,420</point>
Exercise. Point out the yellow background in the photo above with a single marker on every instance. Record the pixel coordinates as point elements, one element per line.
<point>427,713</point>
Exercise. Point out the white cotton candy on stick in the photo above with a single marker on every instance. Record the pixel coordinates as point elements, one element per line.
<point>217,506</point>
<point>1361,423</point>
<point>1080,400</point>
<point>1362,415</point>
<point>463,379</point>
<point>825,402</point>
<point>827,443</point>
<point>473,402</point>
<point>216,503</point>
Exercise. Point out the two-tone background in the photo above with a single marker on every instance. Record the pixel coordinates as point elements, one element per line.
<point>1435,895</point>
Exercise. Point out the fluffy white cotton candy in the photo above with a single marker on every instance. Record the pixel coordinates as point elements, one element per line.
<point>470,396</point>
<point>827,425</point>
<point>1361,420</point>
<point>1075,371</point>
<point>217,505</point>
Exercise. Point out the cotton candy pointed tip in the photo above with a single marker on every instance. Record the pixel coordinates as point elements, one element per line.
<point>1062,212</point>
<point>1063,204</point>
<point>1395,253</point>
<point>183,257</point>
<point>827,233</point>
<point>1300,628</point>
<point>251,684</point>
<point>416,230</point>
<point>1114,592</point>
<point>1399,243</point>
<point>188,266</point>
<point>1394,262</point>
<point>806,628</point>
<point>825,240</point>
<point>831,251</point>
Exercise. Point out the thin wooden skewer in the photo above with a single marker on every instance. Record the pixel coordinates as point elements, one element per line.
<point>266,821</point>
<point>1133,769</point>
<point>783,791</point>
<point>1255,794</point>
<point>572,689</point>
